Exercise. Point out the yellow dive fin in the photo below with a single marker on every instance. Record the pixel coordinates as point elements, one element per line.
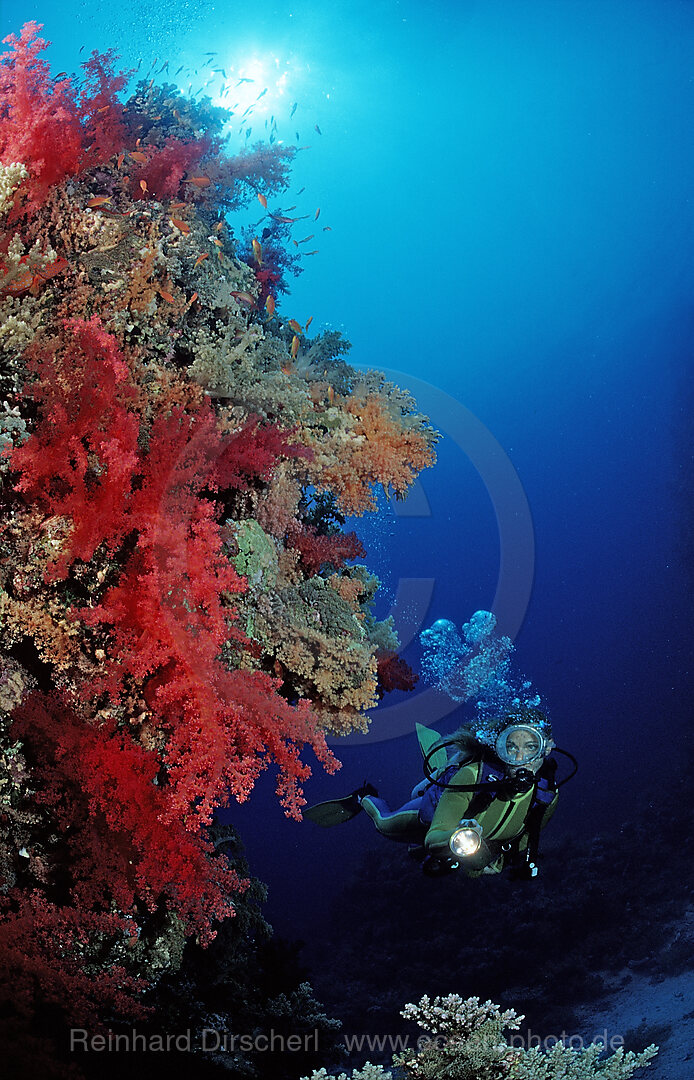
<point>427,737</point>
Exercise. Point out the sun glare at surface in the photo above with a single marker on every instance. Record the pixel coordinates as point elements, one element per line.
<point>259,91</point>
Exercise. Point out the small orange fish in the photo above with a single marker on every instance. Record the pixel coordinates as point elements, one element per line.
<point>99,200</point>
<point>138,141</point>
<point>219,226</point>
<point>105,109</point>
<point>199,181</point>
<point>295,347</point>
<point>143,185</point>
<point>177,114</point>
<point>270,306</point>
<point>296,327</point>
<point>331,394</point>
<point>157,117</point>
<point>138,156</point>
<point>317,214</point>
<point>166,296</point>
<point>262,200</point>
<point>177,205</point>
<point>243,298</point>
<point>257,251</point>
<point>180,225</point>
<point>217,243</point>
<point>308,322</point>
<point>121,159</point>
<point>201,259</point>
<point>193,299</point>
<point>220,256</point>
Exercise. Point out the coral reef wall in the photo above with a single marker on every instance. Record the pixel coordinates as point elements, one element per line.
<point>179,602</point>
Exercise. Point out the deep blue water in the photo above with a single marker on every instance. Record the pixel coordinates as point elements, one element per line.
<point>509,193</point>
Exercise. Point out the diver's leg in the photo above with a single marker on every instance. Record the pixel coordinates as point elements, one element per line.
<point>402,824</point>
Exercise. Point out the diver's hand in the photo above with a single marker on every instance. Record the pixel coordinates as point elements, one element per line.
<point>438,865</point>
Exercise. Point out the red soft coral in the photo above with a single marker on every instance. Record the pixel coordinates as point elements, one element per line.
<point>165,168</point>
<point>128,796</point>
<point>115,823</point>
<point>252,451</point>
<point>167,618</point>
<point>44,126</point>
<point>394,673</point>
<point>105,133</point>
<point>39,119</point>
<point>80,462</point>
<point>318,552</point>
<point>41,943</point>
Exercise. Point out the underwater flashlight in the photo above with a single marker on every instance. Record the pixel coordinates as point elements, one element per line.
<point>467,838</point>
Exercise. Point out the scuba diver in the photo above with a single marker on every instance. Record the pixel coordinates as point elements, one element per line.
<point>483,801</point>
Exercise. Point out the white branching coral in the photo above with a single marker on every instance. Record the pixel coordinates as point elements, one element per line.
<point>566,1063</point>
<point>468,1042</point>
<point>19,321</point>
<point>465,1040</point>
<point>367,1072</point>
<point>12,429</point>
<point>458,1017</point>
<point>11,177</point>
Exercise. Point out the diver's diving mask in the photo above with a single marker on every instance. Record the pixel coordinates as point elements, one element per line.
<point>520,744</point>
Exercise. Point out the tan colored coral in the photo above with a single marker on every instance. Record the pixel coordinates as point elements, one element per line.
<point>56,639</point>
<point>277,507</point>
<point>13,684</point>
<point>321,650</point>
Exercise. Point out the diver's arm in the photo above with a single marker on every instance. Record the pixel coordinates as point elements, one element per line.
<point>453,805</point>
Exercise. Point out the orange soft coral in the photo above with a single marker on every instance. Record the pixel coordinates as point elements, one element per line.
<point>375,448</point>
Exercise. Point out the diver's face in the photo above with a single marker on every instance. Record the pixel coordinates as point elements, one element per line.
<point>521,746</point>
